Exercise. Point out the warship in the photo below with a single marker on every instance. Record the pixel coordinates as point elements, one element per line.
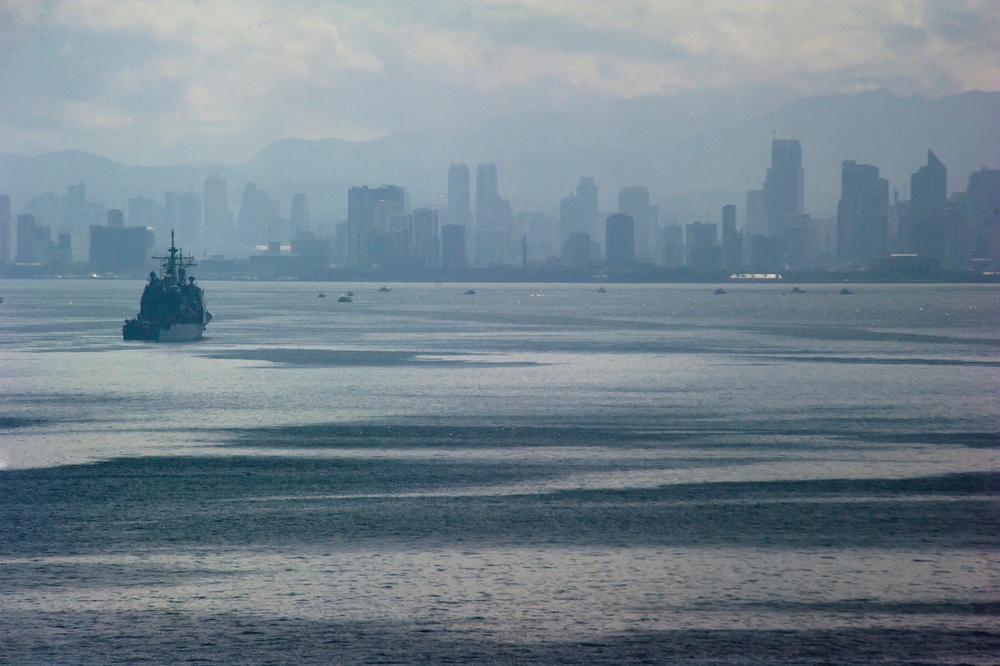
<point>172,307</point>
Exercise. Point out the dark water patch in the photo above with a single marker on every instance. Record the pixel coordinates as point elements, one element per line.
<point>870,607</point>
<point>974,440</point>
<point>844,333</point>
<point>162,504</point>
<point>353,358</point>
<point>11,422</point>
<point>867,361</point>
<point>243,638</point>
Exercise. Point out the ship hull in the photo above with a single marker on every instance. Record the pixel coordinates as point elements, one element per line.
<point>134,330</point>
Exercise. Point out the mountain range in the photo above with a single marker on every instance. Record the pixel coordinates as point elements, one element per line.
<point>694,153</point>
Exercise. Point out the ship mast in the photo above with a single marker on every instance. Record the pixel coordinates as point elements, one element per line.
<point>175,261</point>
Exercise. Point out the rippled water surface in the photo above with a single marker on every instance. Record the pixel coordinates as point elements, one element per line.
<point>530,474</point>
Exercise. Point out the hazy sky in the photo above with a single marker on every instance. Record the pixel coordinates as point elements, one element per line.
<point>158,81</point>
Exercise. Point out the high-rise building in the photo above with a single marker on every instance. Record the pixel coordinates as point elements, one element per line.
<point>924,225</point>
<point>116,218</point>
<point>459,195</point>
<point>703,251</point>
<point>862,214</point>
<point>732,240</point>
<point>633,200</point>
<point>424,237</point>
<point>578,212</point>
<point>368,222</point>
<point>5,229</point>
<point>494,218</point>
<point>784,185</point>
<point>619,240</point>
<point>183,217</point>
<point>453,246</point>
<point>218,219</point>
<point>984,213</point>
<point>298,218</point>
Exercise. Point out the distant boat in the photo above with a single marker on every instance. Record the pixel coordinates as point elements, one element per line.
<point>602,290</point>
<point>796,290</point>
<point>846,291</point>
<point>384,289</point>
<point>321,295</point>
<point>345,299</point>
<point>469,292</point>
<point>720,290</point>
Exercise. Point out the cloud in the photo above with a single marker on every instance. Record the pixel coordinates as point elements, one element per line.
<point>186,77</point>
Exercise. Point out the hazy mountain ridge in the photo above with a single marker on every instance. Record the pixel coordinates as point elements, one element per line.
<point>694,155</point>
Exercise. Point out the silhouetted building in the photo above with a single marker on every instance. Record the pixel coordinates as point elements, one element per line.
<point>5,229</point>
<point>218,219</point>
<point>424,242</point>
<point>703,252</point>
<point>984,214</point>
<point>116,218</point>
<point>862,214</point>
<point>620,240</point>
<point>633,200</point>
<point>784,185</point>
<point>672,246</point>
<point>368,222</point>
<point>924,223</point>
<point>121,250</point>
<point>576,250</point>
<point>257,216</point>
<point>494,218</point>
<point>184,219</point>
<point>453,246</point>
<point>298,218</point>
<point>732,240</point>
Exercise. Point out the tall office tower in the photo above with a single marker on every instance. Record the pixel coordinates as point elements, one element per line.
<point>34,242</point>
<point>5,230</point>
<point>184,218</point>
<point>633,200</point>
<point>672,245</point>
<point>365,233</point>
<point>298,218</point>
<point>984,213</point>
<point>862,214</point>
<point>578,211</point>
<point>453,246</point>
<point>703,251</point>
<point>257,217</point>
<point>732,240</point>
<point>424,240</point>
<point>459,197</point>
<point>784,185</point>
<point>619,239</point>
<point>217,216</point>
<point>924,226</point>
<point>586,194</point>
<point>494,219</point>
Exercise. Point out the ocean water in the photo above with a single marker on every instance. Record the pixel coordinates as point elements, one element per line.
<point>531,474</point>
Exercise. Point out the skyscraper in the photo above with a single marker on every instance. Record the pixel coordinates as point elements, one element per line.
<point>633,200</point>
<point>732,241</point>
<point>217,217</point>
<point>494,219</point>
<point>862,214</point>
<point>362,234</point>
<point>619,240</point>
<point>784,185</point>
<point>924,226</point>
<point>299,216</point>
<point>459,198</point>
<point>5,229</point>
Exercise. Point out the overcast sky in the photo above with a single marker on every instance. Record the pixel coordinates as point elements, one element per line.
<point>161,81</point>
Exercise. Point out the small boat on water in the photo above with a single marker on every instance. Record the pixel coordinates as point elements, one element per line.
<point>720,290</point>
<point>384,290</point>
<point>346,298</point>
<point>845,291</point>
<point>172,307</point>
<point>321,295</point>
<point>797,290</point>
<point>602,290</point>
<point>469,292</point>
